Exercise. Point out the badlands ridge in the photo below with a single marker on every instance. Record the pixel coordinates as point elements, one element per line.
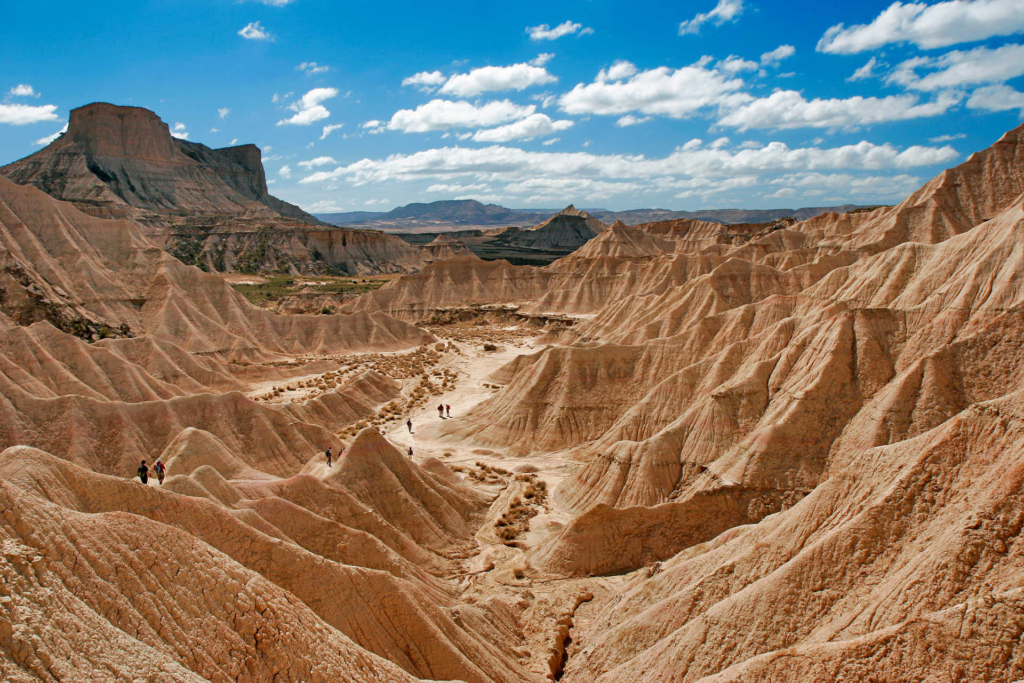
<point>686,451</point>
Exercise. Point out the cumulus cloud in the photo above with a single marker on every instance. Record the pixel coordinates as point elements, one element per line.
<point>955,69</point>
<point>22,90</point>
<point>285,171</point>
<point>445,114</point>
<point>777,55</point>
<point>50,138</point>
<point>510,164</point>
<point>330,129</point>
<point>254,31</point>
<point>533,126</point>
<point>319,161</point>
<point>630,120</point>
<point>494,78</point>
<point>788,109</point>
<point>864,72</point>
<point>22,114</point>
<point>542,59</point>
<point>310,68</point>
<point>457,189</point>
<point>997,98</point>
<point>928,26</point>
<point>178,131</point>
<point>724,11</point>
<point>425,80</point>
<point>616,72</point>
<point>308,108</point>
<point>223,112</point>
<point>734,64</point>
<point>662,91</point>
<point>816,184</point>
<point>566,28</point>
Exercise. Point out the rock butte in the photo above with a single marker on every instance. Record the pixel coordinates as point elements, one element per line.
<point>687,451</point>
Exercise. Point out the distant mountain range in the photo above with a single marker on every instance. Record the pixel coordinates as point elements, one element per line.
<point>458,213</point>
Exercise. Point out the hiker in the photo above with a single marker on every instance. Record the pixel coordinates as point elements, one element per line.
<point>449,409</point>
<point>440,411</point>
<point>410,451</point>
<point>143,473</point>
<point>328,456</point>
<point>408,423</point>
<point>160,470</point>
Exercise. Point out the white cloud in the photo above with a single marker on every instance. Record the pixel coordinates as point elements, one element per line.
<point>253,31</point>
<point>319,161</point>
<point>178,131</point>
<point>373,123</point>
<point>285,171</point>
<point>533,126</point>
<point>50,138</point>
<point>956,68</point>
<point>325,206</point>
<point>21,114</point>
<point>997,98</point>
<point>223,112</point>
<point>371,202</point>
<point>494,78</point>
<point>550,142</point>
<point>310,68</point>
<point>455,189</point>
<point>947,138</point>
<point>777,55</point>
<point>545,32</point>
<point>214,130</point>
<point>734,64</point>
<point>662,91</point>
<point>815,184</point>
<point>541,189</point>
<point>616,72</point>
<point>330,129</point>
<point>928,26</point>
<point>724,11</point>
<point>542,59</point>
<point>233,141</point>
<point>511,164</point>
<point>22,90</point>
<point>308,108</point>
<point>864,72</point>
<point>425,80</point>
<point>444,114</point>
<point>275,3</point>
<point>788,109</point>
<point>630,120</point>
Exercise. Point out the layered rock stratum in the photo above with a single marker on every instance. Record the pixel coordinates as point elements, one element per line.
<point>209,207</point>
<point>687,451</point>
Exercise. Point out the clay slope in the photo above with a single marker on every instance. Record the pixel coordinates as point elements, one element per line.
<point>567,230</point>
<point>243,577</point>
<point>94,277</point>
<point>901,564</point>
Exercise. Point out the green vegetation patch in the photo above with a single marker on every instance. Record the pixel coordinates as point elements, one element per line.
<point>278,286</point>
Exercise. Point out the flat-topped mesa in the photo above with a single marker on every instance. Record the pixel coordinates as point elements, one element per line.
<point>126,156</point>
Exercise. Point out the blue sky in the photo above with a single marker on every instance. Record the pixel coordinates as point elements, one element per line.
<point>685,105</point>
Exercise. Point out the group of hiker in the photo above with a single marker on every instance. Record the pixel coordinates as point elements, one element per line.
<point>158,468</point>
<point>161,470</point>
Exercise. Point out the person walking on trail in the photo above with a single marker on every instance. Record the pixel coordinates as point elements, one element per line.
<point>408,423</point>
<point>440,411</point>
<point>410,451</point>
<point>143,473</point>
<point>160,469</point>
<point>448,408</point>
<point>328,454</point>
